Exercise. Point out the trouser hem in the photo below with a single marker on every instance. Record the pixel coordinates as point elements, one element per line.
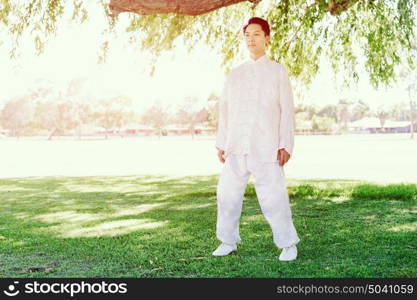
<point>228,241</point>
<point>286,245</point>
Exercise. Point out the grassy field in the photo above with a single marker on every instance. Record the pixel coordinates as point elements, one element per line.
<point>150,226</point>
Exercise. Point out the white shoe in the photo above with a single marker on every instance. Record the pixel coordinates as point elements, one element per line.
<point>288,253</point>
<point>224,249</point>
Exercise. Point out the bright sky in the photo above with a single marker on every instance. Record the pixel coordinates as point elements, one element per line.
<point>73,54</point>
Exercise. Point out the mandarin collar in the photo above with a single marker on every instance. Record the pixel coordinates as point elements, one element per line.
<point>259,60</point>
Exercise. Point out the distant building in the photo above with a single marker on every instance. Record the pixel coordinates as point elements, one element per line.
<point>373,125</point>
<point>177,129</point>
<point>304,127</point>
<point>137,129</point>
<point>397,126</point>
<point>203,129</point>
<point>365,125</point>
<point>181,129</point>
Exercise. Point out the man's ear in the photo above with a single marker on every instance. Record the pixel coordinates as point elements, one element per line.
<point>267,39</point>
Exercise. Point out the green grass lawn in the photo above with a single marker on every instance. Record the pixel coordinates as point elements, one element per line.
<point>147,226</point>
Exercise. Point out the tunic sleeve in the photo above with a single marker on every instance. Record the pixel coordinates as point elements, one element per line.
<point>287,122</point>
<point>223,115</point>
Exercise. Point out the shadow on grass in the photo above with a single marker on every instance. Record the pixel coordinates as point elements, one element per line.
<point>146,226</point>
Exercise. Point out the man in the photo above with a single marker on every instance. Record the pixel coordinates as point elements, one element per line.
<point>255,136</point>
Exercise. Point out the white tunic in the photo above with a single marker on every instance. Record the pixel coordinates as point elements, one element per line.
<point>256,110</point>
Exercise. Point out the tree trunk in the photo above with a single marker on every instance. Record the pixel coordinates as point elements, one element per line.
<point>52,134</point>
<point>198,7</point>
<point>192,131</point>
<point>412,118</point>
<point>79,132</point>
<point>120,132</point>
<point>182,7</point>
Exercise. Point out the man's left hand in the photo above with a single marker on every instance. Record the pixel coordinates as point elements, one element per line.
<point>283,156</point>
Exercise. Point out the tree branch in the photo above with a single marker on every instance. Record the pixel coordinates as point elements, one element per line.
<point>183,7</point>
<point>197,7</point>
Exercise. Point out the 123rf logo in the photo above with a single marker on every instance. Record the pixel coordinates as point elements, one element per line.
<point>67,288</point>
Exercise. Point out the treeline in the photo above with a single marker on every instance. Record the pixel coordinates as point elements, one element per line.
<point>34,115</point>
<point>48,113</point>
<point>335,118</point>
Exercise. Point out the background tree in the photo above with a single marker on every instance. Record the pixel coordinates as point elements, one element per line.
<point>213,110</point>
<point>17,114</point>
<point>382,114</point>
<point>56,116</point>
<point>84,115</point>
<point>399,112</point>
<point>344,114</point>
<point>360,110</point>
<point>156,116</point>
<point>410,77</point>
<point>310,109</point>
<point>323,124</point>
<point>113,113</point>
<point>191,114</point>
<point>329,111</point>
<point>303,122</point>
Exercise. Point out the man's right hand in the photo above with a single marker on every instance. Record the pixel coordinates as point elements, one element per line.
<point>220,154</point>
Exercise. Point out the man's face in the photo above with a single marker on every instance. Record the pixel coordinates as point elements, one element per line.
<point>255,39</point>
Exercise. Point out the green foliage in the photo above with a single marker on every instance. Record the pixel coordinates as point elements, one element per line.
<point>323,124</point>
<point>219,29</point>
<point>406,192</point>
<point>381,31</point>
<point>39,17</point>
<point>329,111</point>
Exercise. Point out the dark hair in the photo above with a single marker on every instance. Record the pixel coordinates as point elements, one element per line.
<point>264,24</point>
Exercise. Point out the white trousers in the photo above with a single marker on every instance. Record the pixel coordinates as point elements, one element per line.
<point>272,195</point>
